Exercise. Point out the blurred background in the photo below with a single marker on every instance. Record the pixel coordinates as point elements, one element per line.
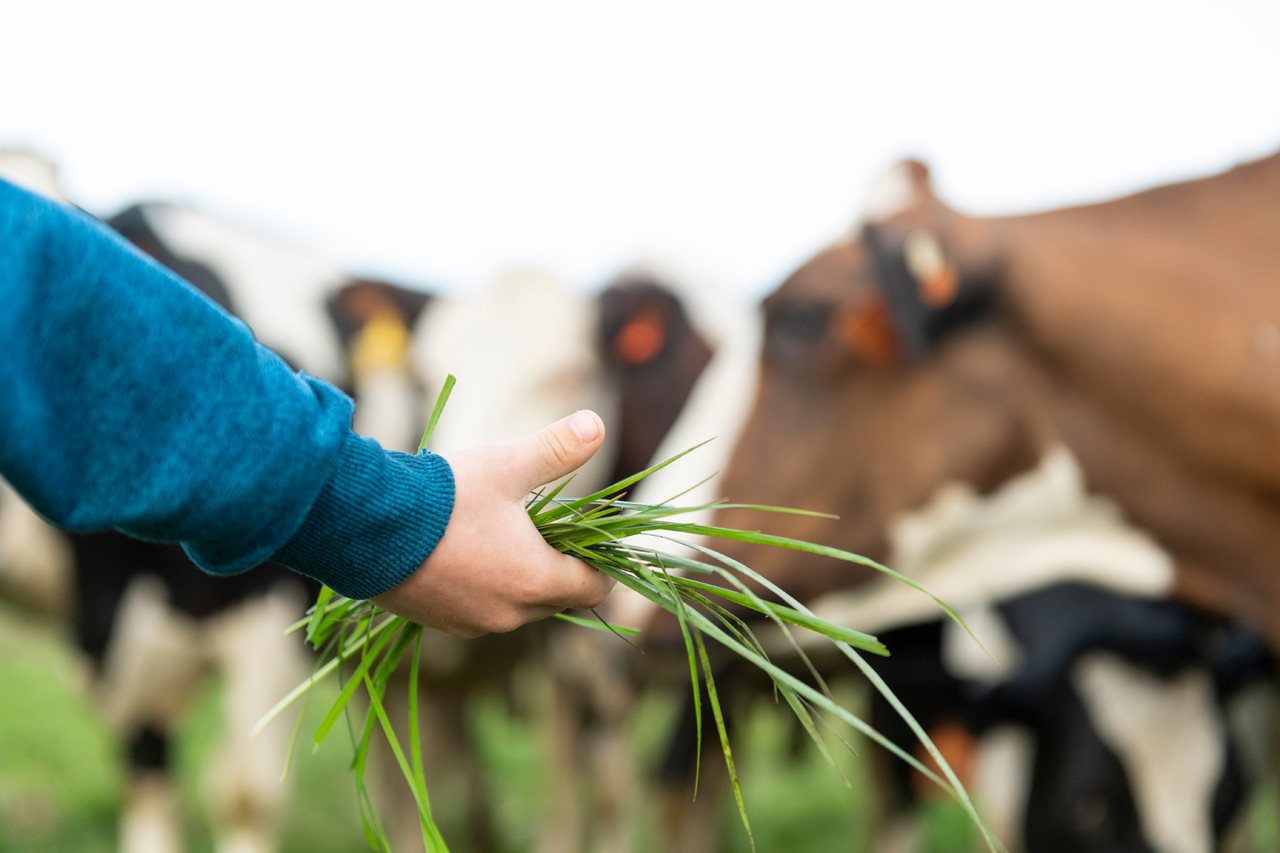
<point>390,191</point>
<point>439,143</point>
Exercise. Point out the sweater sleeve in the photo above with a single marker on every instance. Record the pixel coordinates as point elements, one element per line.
<point>129,401</point>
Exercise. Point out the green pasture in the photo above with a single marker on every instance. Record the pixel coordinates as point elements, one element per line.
<point>60,774</point>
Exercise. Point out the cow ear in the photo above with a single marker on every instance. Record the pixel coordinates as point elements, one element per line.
<point>922,288</point>
<point>934,272</point>
<point>641,339</point>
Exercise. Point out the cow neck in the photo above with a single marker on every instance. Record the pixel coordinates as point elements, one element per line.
<point>1113,294</point>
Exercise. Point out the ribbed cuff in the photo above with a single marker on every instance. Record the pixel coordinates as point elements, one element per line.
<point>376,520</point>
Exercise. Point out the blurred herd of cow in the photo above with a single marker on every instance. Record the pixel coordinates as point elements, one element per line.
<point>1063,424</point>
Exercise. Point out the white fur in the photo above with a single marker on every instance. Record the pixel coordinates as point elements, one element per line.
<point>35,560</point>
<point>259,664</point>
<point>278,290</point>
<point>1038,529</point>
<point>964,658</point>
<point>1168,736</point>
<point>154,666</point>
<point>152,819</point>
<point>155,660</point>
<point>524,349</point>
<point>388,406</point>
<point>1002,780</point>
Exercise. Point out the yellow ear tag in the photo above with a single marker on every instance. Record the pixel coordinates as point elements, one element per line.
<point>381,344</point>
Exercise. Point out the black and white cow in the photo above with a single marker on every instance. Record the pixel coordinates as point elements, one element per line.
<point>526,350</point>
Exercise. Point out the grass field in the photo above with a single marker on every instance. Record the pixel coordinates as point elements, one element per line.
<point>60,775</point>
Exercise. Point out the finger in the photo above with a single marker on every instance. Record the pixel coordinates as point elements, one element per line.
<point>572,584</point>
<point>554,451</point>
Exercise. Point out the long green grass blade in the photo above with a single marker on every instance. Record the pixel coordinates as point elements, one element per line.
<point>714,701</point>
<point>598,625</point>
<point>757,538</point>
<point>441,400</point>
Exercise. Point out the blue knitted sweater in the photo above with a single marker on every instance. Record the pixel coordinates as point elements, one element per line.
<point>129,401</point>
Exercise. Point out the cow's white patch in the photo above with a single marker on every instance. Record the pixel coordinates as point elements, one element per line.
<point>524,349</point>
<point>1038,529</point>
<point>152,671</point>
<point>154,662</point>
<point>388,408</point>
<point>152,819</point>
<point>892,193</point>
<point>278,290</point>
<point>31,171</point>
<point>1168,736</point>
<point>1002,780</point>
<point>258,664</point>
<point>35,560</point>
<point>964,658</point>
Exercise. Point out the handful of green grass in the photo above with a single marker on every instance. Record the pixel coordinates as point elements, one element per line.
<point>687,578</point>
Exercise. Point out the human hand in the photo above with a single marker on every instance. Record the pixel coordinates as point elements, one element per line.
<point>492,571</point>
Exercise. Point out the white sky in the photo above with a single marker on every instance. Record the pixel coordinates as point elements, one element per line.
<point>440,141</point>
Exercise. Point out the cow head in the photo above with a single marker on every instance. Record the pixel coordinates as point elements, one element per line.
<point>874,392</point>
<point>524,348</point>
<point>372,319</point>
<point>656,354</point>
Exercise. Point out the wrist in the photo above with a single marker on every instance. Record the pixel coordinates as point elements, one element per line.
<point>377,519</point>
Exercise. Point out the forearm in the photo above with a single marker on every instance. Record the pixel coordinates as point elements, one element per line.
<point>135,404</point>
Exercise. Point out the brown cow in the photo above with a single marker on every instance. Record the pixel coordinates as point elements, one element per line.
<point>1136,342</point>
<point>1142,334</point>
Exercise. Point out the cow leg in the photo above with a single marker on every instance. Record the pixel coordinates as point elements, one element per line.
<point>590,783</point>
<point>449,740</point>
<point>610,773</point>
<point>559,718</point>
<point>36,561</point>
<point>690,821</point>
<point>1002,779</point>
<point>150,672</point>
<point>245,797</point>
<point>152,820</point>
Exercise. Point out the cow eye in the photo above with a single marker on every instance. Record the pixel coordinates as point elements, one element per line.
<point>801,323</point>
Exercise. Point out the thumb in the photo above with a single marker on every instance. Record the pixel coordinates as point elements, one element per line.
<point>555,450</point>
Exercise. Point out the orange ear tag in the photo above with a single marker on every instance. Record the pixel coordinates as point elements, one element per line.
<point>939,290</point>
<point>641,339</point>
<point>867,332</point>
